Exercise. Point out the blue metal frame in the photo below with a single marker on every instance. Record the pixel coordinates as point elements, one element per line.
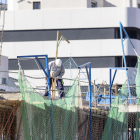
<point>89,78</point>
<point>48,81</point>
<point>127,37</point>
<point>47,68</point>
<point>111,80</point>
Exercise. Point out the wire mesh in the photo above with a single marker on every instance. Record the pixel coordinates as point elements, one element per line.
<point>69,118</point>
<point>123,119</point>
<point>48,119</point>
<point>57,118</point>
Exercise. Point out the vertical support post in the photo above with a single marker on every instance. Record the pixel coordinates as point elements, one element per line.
<point>57,40</point>
<point>49,87</point>
<point>111,83</point>
<point>52,88</point>
<point>57,45</point>
<point>116,90</point>
<point>89,79</point>
<point>104,97</point>
<point>110,75</point>
<point>90,101</point>
<point>122,61</point>
<point>48,75</point>
<point>125,61</point>
<point>95,92</point>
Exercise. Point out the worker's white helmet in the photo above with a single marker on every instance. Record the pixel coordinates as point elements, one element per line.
<point>58,62</point>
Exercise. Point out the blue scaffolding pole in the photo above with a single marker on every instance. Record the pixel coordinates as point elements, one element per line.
<point>111,80</point>
<point>122,29</point>
<point>89,79</point>
<point>122,40</point>
<point>46,72</point>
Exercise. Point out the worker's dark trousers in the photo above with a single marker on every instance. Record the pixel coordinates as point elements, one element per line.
<point>59,83</point>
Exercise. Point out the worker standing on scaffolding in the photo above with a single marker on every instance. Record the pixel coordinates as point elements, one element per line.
<point>57,70</point>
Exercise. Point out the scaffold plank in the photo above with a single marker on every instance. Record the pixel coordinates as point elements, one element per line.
<point>5,106</point>
<point>11,102</point>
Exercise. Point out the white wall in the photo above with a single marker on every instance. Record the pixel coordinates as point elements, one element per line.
<point>108,47</point>
<point>12,5</point>
<point>47,4</point>
<point>100,74</point>
<point>4,66</point>
<point>97,74</point>
<point>66,4</point>
<point>134,3</point>
<point>71,18</point>
<point>4,63</point>
<point>25,5</point>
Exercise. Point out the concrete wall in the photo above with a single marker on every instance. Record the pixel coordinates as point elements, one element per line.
<point>71,18</point>
<point>3,66</point>
<point>48,4</point>
<point>97,74</point>
<point>66,4</point>
<point>100,74</point>
<point>12,5</point>
<point>94,48</point>
<point>134,3</point>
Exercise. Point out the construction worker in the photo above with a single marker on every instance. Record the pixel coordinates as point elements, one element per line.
<point>57,70</point>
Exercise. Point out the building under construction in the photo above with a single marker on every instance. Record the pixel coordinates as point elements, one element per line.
<point>101,60</point>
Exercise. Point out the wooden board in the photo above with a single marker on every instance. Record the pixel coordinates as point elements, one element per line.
<point>10,102</point>
<point>5,106</point>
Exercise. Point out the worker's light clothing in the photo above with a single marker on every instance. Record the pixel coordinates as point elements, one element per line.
<point>56,72</point>
<point>59,83</point>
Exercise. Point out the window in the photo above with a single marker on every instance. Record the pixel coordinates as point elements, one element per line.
<point>3,81</point>
<point>36,5</point>
<point>93,4</point>
<point>131,61</point>
<point>118,61</point>
<point>133,34</point>
<point>138,5</point>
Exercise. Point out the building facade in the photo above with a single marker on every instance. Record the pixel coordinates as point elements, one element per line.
<point>65,4</point>
<point>92,27</point>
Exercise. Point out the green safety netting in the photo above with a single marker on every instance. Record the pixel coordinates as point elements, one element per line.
<point>116,124</point>
<point>137,137</point>
<point>123,122</point>
<point>45,119</point>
